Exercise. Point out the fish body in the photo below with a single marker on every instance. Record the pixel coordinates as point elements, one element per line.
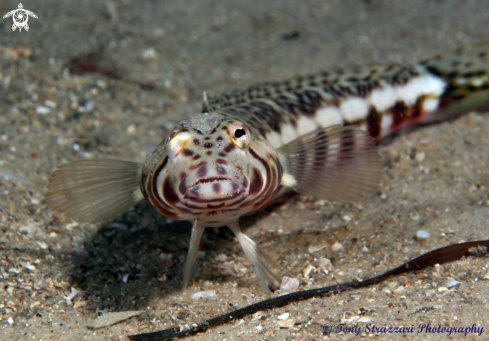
<point>314,135</point>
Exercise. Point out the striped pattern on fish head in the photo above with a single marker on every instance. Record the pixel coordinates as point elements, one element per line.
<point>211,168</point>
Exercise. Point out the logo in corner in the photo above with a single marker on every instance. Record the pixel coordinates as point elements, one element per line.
<point>20,17</point>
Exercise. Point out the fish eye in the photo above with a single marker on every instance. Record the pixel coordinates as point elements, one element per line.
<point>239,133</point>
<point>176,142</point>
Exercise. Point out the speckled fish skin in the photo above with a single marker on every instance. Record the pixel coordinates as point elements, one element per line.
<point>379,99</point>
<point>310,134</point>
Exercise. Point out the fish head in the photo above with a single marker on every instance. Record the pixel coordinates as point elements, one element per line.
<point>212,168</point>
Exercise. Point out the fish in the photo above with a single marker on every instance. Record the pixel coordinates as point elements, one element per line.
<point>316,135</point>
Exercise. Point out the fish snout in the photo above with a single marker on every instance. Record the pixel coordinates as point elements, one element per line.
<point>216,182</point>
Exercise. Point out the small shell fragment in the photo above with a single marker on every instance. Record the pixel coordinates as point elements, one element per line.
<point>422,234</point>
<point>324,264</point>
<point>73,293</point>
<point>365,319</point>
<point>284,316</point>
<point>289,284</point>
<point>10,321</point>
<point>315,248</point>
<point>40,110</point>
<point>30,267</point>
<point>308,270</point>
<point>204,294</point>
<point>109,319</point>
<point>336,246</point>
<point>286,323</point>
<point>450,283</point>
<point>400,290</point>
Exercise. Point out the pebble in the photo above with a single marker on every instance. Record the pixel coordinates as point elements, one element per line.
<point>422,234</point>
<point>149,53</point>
<point>289,284</point>
<point>308,270</point>
<point>88,106</point>
<point>365,319</point>
<point>400,291</point>
<point>72,295</point>
<point>284,316</point>
<point>315,248</point>
<point>450,283</point>
<point>203,294</point>
<point>420,156</point>
<point>42,110</point>
<point>324,264</point>
<point>10,321</point>
<point>49,103</point>
<point>286,323</point>
<point>414,216</point>
<point>30,267</point>
<point>336,246</point>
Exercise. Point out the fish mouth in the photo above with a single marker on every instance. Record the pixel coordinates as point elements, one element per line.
<point>214,189</point>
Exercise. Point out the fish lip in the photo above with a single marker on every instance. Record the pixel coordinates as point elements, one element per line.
<point>214,179</point>
<point>237,192</point>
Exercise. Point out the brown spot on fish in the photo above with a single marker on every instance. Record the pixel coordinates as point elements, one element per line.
<point>399,113</point>
<point>188,152</point>
<point>196,142</point>
<point>221,170</point>
<point>257,182</point>
<point>202,171</point>
<point>219,139</point>
<point>209,153</point>
<point>216,188</point>
<point>208,145</point>
<point>169,193</point>
<point>373,123</point>
<point>221,161</point>
<point>196,157</point>
<point>229,148</point>
<point>417,109</point>
<point>235,186</point>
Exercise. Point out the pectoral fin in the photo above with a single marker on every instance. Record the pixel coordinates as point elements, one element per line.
<point>335,163</point>
<point>261,262</point>
<point>94,190</point>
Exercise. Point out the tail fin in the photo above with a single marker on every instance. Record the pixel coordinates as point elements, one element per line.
<point>466,74</point>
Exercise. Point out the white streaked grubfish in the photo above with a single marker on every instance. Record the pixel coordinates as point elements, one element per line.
<point>315,135</point>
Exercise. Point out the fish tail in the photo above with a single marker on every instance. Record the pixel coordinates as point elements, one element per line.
<point>464,74</point>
